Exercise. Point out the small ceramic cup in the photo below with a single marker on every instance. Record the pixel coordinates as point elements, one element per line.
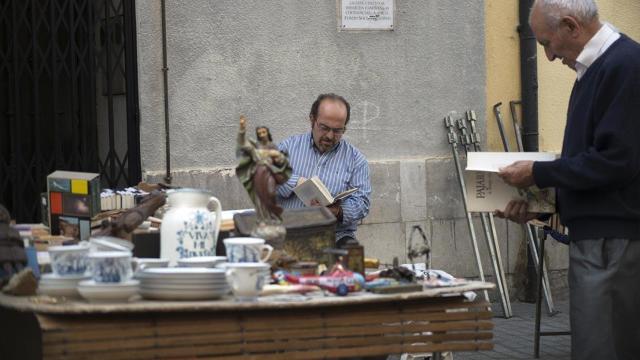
<point>69,261</point>
<point>111,266</point>
<point>201,261</point>
<point>246,279</point>
<point>247,250</point>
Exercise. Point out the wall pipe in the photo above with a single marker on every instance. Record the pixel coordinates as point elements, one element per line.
<point>528,78</point>
<point>529,94</point>
<point>165,69</point>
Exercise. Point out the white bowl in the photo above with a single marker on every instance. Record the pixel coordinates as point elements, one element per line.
<point>111,266</point>
<point>140,264</point>
<point>108,292</point>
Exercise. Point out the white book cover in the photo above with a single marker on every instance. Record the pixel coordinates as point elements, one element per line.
<point>487,192</point>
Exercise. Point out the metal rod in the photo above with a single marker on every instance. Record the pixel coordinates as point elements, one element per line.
<point>503,135</point>
<point>165,69</point>
<point>533,247</point>
<point>516,126</point>
<point>536,335</point>
<point>488,225</point>
<point>452,138</point>
<point>500,266</point>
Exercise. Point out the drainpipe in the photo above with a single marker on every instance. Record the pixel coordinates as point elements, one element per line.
<point>165,69</point>
<point>529,93</point>
<point>528,79</point>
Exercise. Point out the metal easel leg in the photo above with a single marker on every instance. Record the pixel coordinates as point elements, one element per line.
<point>509,312</point>
<point>541,269</point>
<point>536,333</point>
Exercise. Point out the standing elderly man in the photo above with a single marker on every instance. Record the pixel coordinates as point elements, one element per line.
<point>324,153</point>
<point>597,176</point>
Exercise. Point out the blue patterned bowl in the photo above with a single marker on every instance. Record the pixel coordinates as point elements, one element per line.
<point>68,260</point>
<point>111,266</point>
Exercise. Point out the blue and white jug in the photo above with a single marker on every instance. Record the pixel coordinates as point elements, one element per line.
<point>189,228</point>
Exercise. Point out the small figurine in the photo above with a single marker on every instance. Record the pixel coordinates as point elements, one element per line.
<point>261,168</point>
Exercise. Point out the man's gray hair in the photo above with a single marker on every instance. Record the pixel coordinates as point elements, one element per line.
<point>585,11</point>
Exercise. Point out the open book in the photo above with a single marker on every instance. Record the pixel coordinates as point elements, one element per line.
<point>314,189</point>
<point>487,192</point>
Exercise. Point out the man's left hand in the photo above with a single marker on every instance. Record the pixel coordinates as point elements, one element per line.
<point>336,210</point>
<point>518,174</point>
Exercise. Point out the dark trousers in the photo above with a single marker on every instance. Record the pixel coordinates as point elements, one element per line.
<point>604,282</point>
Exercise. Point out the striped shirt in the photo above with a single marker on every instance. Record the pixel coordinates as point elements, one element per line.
<point>341,168</point>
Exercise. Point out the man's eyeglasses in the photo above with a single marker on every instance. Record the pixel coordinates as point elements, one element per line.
<point>325,129</point>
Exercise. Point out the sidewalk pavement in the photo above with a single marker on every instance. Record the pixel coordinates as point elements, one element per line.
<point>513,338</point>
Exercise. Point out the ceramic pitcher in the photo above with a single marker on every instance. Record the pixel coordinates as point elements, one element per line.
<point>189,228</point>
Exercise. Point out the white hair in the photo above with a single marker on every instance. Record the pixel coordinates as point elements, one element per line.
<point>585,11</point>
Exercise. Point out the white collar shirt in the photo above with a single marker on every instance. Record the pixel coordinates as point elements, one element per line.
<point>595,47</point>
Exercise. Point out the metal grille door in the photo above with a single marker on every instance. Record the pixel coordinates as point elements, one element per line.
<point>68,96</point>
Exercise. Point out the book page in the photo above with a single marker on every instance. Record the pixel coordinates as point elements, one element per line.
<point>323,189</point>
<point>344,194</point>
<point>493,161</point>
<point>309,191</point>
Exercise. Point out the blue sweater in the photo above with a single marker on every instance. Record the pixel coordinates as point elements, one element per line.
<point>597,176</point>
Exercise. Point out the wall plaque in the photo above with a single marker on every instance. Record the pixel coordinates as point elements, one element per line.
<point>366,14</point>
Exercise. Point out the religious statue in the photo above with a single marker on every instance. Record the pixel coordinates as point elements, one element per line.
<point>261,168</point>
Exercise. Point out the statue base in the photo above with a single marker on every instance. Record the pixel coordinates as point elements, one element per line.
<point>273,234</point>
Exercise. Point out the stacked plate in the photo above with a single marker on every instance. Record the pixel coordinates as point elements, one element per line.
<point>55,285</point>
<point>108,292</point>
<point>183,283</point>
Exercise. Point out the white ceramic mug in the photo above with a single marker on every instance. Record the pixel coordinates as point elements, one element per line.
<point>111,266</point>
<point>246,279</point>
<point>69,260</point>
<point>247,250</point>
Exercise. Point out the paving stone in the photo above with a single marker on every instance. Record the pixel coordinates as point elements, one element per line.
<point>513,338</point>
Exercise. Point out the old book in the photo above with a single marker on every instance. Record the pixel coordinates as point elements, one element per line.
<point>487,192</point>
<point>314,189</point>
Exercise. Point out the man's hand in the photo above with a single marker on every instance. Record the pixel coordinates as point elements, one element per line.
<point>301,179</point>
<point>518,174</point>
<point>516,211</point>
<point>336,210</point>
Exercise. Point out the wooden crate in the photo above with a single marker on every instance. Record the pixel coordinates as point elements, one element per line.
<point>420,326</point>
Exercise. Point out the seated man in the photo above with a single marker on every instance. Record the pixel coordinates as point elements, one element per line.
<point>324,153</point>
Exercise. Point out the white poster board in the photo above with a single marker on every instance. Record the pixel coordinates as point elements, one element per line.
<point>366,14</point>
